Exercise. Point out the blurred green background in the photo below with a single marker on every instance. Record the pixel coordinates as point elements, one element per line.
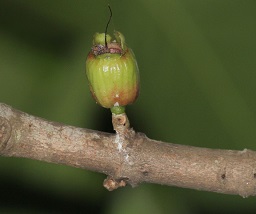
<point>197,63</point>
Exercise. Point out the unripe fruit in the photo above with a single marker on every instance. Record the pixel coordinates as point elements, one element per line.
<point>112,72</point>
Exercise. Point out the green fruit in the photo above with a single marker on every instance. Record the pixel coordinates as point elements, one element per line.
<point>112,72</point>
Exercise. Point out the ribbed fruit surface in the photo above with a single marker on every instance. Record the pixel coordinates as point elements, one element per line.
<point>113,78</point>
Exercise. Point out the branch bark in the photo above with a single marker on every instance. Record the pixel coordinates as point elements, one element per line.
<point>127,157</point>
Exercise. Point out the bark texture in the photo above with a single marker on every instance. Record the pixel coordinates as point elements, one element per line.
<point>127,157</point>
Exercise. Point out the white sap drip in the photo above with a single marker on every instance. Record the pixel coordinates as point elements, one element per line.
<point>119,141</point>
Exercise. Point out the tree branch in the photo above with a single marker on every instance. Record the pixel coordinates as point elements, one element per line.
<point>127,156</point>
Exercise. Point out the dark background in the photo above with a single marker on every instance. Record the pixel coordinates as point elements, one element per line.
<point>197,63</point>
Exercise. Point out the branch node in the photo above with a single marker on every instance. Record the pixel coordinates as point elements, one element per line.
<point>111,184</point>
<point>5,132</point>
<point>121,125</point>
<point>120,122</point>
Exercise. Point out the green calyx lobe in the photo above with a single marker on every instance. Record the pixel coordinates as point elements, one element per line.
<point>112,72</point>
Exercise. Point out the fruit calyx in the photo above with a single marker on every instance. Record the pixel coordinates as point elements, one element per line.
<point>102,44</point>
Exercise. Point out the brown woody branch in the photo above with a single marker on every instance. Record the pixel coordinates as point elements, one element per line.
<point>127,157</point>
